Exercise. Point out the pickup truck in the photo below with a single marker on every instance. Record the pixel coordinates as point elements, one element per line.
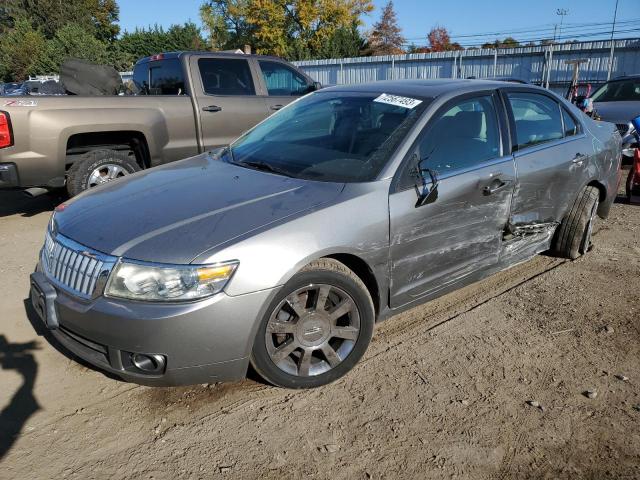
<point>188,103</point>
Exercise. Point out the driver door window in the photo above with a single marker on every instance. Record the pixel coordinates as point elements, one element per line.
<point>462,137</point>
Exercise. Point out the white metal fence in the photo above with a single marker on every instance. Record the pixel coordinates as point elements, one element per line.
<point>532,64</point>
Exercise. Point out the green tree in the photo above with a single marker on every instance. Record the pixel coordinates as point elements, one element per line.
<point>10,11</point>
<point>144,42</point>
<point>71,41</point>
<point>99,17</point>
<point>386,37</point>
<point>20,49</point>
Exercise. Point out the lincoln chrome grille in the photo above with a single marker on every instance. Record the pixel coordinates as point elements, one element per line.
<point>72,266</point>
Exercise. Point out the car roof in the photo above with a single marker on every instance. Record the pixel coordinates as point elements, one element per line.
<point>634,76</point>
<point>425,88</point>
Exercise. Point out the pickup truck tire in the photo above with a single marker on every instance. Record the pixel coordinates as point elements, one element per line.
<point>573,236</point>
<point>317,327</point>
<point>99,166</point>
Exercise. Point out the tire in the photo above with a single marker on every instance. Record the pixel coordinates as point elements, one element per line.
<point>573,236</point>
<point>298,350</point>
<point>104,165</point>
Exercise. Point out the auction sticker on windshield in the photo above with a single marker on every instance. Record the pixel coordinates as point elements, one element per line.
<point>398,101</point>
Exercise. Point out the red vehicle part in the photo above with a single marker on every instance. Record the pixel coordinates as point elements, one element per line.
<point>633,180</point>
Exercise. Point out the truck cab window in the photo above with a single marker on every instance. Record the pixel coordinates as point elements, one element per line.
<point>226,76</point>
<point>166,77</point>
<point>282,81</point>
<point>141,78</point>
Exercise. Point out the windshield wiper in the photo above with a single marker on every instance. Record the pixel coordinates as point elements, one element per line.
<point>265,167</point>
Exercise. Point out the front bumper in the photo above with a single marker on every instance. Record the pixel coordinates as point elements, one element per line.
<point>203,342</point>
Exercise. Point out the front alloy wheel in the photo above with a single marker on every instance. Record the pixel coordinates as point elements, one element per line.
<point>312,330</point>
<point>316,329</point>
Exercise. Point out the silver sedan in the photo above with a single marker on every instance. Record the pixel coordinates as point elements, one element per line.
<point>347,206</point>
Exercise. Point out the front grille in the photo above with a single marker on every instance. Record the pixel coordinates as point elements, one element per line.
<point>74,267</point>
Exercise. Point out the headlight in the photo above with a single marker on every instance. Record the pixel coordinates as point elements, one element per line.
<point>139,281</point>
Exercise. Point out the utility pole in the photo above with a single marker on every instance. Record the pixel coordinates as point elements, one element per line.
<point>550,57</point>
<point>613,29</point>
<point>562,12</point>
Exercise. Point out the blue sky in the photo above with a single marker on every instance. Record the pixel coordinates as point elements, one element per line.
<point>531,19</point>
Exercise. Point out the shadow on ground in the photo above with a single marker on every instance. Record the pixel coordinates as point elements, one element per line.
<point>14,202</point>
<point>23,404</point>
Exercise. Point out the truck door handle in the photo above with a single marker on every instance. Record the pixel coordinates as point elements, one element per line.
<point>212,108</point>
<point>495,185</point>
<point>276,107</point>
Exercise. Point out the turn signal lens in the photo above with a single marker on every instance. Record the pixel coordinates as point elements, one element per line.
<point>6,139</point>
<point>215,273</point>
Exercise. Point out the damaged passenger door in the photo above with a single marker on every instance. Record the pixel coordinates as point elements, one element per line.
<point>551,154</point>
<point>449,225</point>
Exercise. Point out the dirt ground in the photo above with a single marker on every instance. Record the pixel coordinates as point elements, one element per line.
<point>441,393</point>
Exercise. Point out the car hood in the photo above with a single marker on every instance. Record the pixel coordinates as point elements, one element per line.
<point>617,112</point>
<point>172,213</point>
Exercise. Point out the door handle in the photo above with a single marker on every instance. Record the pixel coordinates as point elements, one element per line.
<point>496,185</point>
<point>212,108</point>
<point>578,159</point>
<point>276,107</point>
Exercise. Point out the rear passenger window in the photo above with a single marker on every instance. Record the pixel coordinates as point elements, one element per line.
<point>226,76</point>
<point>570,127</point>
<point>282,81</point>
<point>464,136</point>
<point>166,77</point>
<point>537,119</point>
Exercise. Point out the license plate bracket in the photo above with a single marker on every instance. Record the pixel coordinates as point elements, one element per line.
<point>43,297</point>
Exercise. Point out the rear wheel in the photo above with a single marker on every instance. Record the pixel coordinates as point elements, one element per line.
<point>573,237</point>
<point>97,167</point>
<point>316,329</point>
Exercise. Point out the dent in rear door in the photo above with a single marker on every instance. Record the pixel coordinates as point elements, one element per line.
<point>227,98</point>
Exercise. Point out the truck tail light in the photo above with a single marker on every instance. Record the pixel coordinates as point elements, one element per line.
<point>6,138</point>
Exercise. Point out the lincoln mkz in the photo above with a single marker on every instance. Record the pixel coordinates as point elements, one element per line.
<point>348,206</point>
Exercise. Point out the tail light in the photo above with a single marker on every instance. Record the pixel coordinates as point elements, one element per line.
<point>636,164</point>
<point>6,137</point>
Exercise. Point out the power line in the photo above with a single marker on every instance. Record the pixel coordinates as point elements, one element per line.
<point>575,27</point>
<point>523,41</point>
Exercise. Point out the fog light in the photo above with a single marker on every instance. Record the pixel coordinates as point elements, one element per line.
<point>148,363</point>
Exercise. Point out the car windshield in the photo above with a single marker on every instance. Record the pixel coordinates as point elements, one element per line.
<point>330,136</point>
<point>618,91</point>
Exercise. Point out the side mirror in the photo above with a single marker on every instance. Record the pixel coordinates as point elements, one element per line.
<point>315,86</point>
<point>426,186</point>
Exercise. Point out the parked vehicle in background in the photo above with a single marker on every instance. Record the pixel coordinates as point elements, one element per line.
<point>632,149</point>
<point>188,102</point>
<point>618,101</point>
<point>346,207</point>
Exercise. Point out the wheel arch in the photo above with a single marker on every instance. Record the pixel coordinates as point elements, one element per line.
<point>603,207</point>
<point>362,269</point>
<point>131,140</point>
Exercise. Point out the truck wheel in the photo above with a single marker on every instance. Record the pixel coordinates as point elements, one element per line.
<point>97,167</point>
<point>316,329</point>
<point>573,236</point>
